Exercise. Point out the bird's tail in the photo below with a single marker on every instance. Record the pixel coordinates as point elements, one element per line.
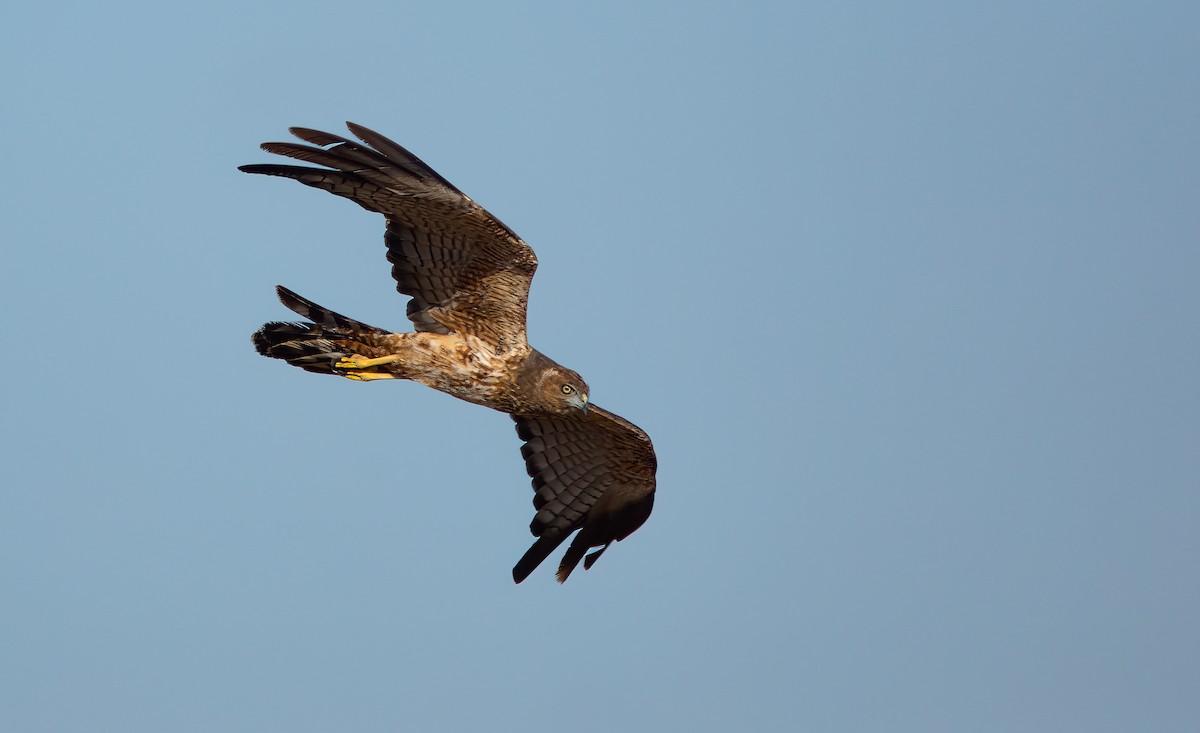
<point>315,346</point>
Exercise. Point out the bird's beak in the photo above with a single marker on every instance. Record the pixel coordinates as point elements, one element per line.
<point>583,402</point>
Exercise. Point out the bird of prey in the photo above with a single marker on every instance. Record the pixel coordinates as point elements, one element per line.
<point>468,277</point>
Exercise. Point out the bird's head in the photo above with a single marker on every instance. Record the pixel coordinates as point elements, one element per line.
<point>563,390</point>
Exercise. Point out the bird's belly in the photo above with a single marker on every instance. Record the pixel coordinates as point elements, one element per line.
<point>465,368</point>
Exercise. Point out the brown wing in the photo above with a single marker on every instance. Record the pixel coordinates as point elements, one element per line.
<point>594,473</point>
<point>465,270</point>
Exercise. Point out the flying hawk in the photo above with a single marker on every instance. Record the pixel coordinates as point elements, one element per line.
<point>468,276</point>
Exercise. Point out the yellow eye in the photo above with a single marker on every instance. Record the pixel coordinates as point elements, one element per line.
<point>567,389</point>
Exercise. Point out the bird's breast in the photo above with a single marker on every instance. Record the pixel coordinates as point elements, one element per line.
<point>468,368</point>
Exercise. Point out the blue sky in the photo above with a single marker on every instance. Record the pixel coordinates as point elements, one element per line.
<point>906,295</point>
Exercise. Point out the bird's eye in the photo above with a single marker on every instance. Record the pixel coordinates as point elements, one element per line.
<point>567,389</point>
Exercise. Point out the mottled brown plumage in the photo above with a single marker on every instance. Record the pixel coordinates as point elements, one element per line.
<point>468,277</point>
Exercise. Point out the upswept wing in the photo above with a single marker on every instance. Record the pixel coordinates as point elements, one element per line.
<point>594,473</point>
<point>464,269</point>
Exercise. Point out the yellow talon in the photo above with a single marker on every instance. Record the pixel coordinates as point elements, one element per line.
<point>365,363</point>
<point>366,376</point>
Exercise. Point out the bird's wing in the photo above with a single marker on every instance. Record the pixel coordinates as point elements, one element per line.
<point>593,472</point>
<point>464,269</point>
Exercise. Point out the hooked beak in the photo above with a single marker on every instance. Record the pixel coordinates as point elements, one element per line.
<point>583,402</point>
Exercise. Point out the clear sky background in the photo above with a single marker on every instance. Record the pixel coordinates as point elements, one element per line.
<point>905,293</point>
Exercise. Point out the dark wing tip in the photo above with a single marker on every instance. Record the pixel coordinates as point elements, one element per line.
<point>363,132</point>
<point>316,137</point>
<point>285,294</point>
<point>268,169</point>
<point>593,557</point>
<point>534,556</point>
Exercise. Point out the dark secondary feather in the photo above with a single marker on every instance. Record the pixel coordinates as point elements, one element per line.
<point>594,473</point>
<point>464,269</point>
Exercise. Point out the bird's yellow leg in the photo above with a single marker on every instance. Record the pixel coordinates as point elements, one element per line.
<point>366,376</point>
<point>366,363</point>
